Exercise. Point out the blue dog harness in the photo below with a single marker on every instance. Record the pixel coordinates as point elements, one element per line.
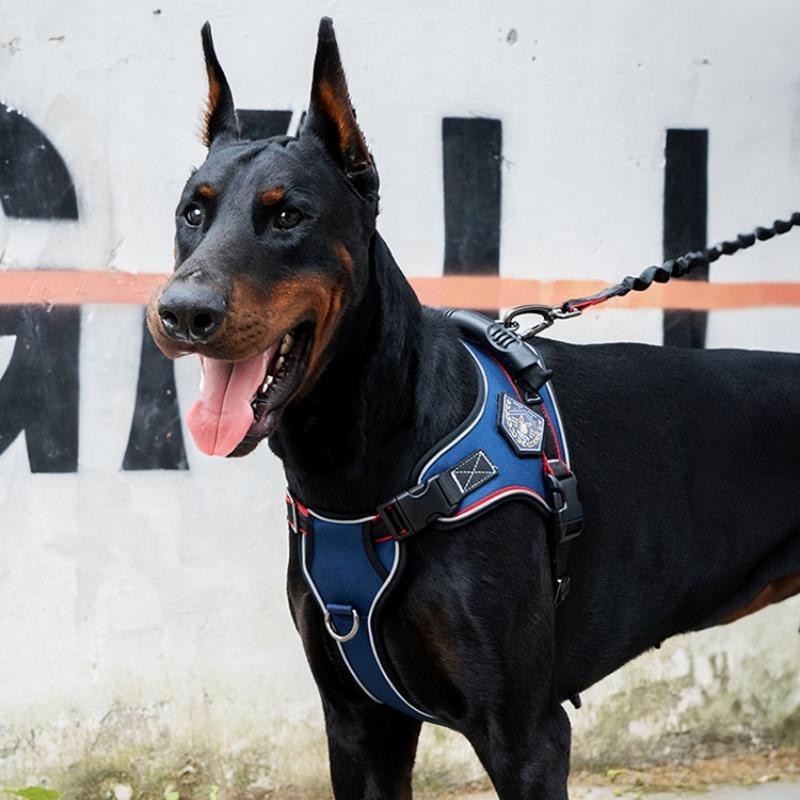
<point>511,445</point>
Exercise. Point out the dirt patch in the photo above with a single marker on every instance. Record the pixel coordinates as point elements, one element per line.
<point>740,768</point>
<point>743,768</point>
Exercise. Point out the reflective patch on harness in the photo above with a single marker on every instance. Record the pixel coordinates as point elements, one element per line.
<point>521,425</point>
<point>473,471</point>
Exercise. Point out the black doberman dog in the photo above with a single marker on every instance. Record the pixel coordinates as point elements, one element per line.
<point>309,334</point>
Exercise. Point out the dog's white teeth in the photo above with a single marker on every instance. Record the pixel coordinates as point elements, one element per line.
<point>267,382</point>
<point>287,344</point>
<point>279,363</point>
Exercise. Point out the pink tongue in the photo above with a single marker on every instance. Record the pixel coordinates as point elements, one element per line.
<point>222,416</point>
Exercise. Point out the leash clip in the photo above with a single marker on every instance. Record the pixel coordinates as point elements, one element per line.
<point>549,315</point>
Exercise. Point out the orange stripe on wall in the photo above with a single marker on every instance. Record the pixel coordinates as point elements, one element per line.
<point>73,287</point>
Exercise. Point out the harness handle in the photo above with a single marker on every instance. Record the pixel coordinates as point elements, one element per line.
<point>658,273</point>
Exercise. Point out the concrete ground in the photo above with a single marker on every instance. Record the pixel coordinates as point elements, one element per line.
<point>766,791</point>
<point>772,774</point>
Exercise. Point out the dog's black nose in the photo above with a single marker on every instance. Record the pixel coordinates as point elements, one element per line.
<point>191,313</point>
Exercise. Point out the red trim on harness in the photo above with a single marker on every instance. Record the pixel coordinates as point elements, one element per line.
<point>508,376</point>
<point>301,513</point>
<point>543,407</point>
<point>488,500</point>
<point>497,494</point>
<point>553,431</point>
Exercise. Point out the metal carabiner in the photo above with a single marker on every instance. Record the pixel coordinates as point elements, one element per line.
<point>547,313</point>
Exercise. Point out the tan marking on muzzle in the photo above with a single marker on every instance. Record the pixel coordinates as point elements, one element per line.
<point>345,259</point>
<point>256,319</point>
<point>288,303</point>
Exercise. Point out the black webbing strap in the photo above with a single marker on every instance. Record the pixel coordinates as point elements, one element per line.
<point>566,521</point>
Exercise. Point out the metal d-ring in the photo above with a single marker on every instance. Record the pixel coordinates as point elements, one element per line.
<point>347,636</point>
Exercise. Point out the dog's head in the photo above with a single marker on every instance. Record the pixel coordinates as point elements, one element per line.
<point>270,251</point>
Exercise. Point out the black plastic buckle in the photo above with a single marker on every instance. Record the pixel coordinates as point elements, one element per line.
<point>291,513</point>
<point>415,509</point>
<point>298,521</point>
<point>567,509</point>
<point>562,590</point>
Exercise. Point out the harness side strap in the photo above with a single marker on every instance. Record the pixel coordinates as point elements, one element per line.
<point>567,522</point>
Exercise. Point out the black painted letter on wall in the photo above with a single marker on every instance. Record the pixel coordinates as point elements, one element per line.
<point>156,437</point>
<point>685,210</point>
<point>472,151</point>
<point>34,180</point>
<point>39,390</point>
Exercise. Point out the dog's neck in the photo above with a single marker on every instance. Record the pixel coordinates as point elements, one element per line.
<point>396,382</point>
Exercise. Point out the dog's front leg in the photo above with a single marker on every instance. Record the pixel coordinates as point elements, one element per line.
<point>526,761</point>
<point>371,750</point>
<point>494,631</point>
<point>371,747</point>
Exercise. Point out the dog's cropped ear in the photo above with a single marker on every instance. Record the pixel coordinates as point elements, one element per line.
<point>220,114</point>
<point>331,116</point>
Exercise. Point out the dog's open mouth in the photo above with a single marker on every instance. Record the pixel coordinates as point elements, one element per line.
<point>240,402</point>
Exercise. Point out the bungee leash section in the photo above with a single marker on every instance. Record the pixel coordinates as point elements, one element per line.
<point>673,268</point>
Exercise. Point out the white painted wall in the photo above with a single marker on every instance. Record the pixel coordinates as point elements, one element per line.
<point>146,610</point>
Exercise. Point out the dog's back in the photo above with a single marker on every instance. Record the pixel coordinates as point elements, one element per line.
<point>689,474</point>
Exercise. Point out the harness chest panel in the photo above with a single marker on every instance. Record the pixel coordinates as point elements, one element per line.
<point>497,453</point>
<point>515,474</point>
<point>344,579</point>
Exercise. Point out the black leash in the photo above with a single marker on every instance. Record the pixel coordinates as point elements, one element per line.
<point>673,268</point>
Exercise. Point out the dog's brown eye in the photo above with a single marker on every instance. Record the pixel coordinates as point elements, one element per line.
<point>194,215</point>
<point>288,218</point>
